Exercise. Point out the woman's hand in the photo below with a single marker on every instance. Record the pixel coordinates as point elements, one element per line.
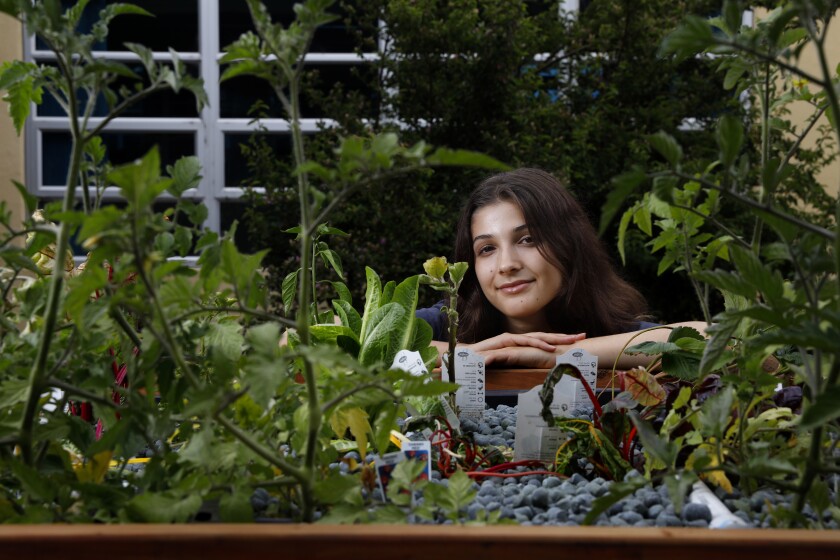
<point>521,357</point>
<point>539,340</point>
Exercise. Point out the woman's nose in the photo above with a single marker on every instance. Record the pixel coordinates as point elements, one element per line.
<point>508,261</point>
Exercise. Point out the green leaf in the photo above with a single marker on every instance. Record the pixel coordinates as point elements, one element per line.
<point>236,507</point>
<point>139,181</point>
<point>659,448</point>
<point>769,283</point>
<point>13,392</point>
<point>663,188</point>
<point>402,333</point>
<point>164,507</point>
<point>375,343</point>
<point>720,333</point>
<point>373,296</point>
<point>263,371</point>
<point>332,259</point>
<point>349,316</point>
<point>224,341</point>
<point>465,158</point>
<point>457,271</point>
<point>186,174</point>
<point>33,483</point>
<point>694,36</point>
<point>667,147</point>
<point>330,332</point>
<point>336,488</point>
<point>824,409</point>
<point>623,186</point>
<point>716,413</point>
<point>732,15</point>
<point>730,138</point>
<point>19,80</point>
<point>30,201</point>
<point>289,290</point>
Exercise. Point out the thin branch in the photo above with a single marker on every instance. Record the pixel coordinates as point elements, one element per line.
<point>747,201</point>
<point>716,222</point>
<point>71,389</point>
<point>371,385</point>
<point>245,310</point>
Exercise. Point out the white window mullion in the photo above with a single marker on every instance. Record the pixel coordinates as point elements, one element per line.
<point>209,141</point>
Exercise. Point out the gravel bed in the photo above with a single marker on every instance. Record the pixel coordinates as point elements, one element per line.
<point>550,500</point>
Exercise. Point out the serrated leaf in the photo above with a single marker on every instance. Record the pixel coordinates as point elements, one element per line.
<point>186,174</point>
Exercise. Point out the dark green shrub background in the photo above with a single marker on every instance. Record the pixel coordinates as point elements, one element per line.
<point>462,73</point>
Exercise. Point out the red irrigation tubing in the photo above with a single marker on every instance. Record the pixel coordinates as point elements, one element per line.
<point>481,474</point>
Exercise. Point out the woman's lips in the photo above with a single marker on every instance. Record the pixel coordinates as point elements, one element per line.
<point>514,287</point>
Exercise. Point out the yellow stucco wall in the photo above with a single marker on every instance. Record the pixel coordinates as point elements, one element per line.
<point>830,176</point>
<point>801,111</point>
<point>11,146</point>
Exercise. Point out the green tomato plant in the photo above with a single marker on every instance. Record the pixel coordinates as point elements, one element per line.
<point>184,364</point>
<point>779,280</point>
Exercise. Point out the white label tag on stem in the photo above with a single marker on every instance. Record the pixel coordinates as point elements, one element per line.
<point>534,439</point>
<point>470,376</point>
<point>569,393</point>
<point>411,362</point>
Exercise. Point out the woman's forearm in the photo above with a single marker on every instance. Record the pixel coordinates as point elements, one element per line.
<point>609,348</point>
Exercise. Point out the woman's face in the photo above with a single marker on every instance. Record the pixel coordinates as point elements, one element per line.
<point>514,276</point>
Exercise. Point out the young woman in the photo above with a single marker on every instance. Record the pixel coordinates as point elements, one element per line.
<point>540,280</point>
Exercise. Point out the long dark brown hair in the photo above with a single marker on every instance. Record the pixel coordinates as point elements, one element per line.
<point>593,298</point>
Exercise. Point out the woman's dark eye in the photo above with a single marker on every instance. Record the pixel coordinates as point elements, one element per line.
<point>527,239</point>
<point>485,249</point>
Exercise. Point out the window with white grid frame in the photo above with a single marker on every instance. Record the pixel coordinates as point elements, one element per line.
<point>197,30</point>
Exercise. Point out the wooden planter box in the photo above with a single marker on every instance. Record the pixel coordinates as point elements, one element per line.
<point>386,542</point>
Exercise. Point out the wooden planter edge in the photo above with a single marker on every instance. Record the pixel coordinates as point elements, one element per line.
<point>375,542</point>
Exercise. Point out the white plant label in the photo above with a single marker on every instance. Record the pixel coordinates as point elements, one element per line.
<point>470,377</point>
<point>411,362</point>
<point>534,438</point>
<point>570,393</point>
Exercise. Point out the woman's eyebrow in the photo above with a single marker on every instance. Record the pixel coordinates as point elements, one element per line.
<point>517,229</point>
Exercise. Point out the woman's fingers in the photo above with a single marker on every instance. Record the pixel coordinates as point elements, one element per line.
<point>543,341</point>
<point>521,356</point>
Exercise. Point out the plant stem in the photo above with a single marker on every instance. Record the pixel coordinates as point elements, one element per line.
<point>39,367</point>
<point>314,409</point>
